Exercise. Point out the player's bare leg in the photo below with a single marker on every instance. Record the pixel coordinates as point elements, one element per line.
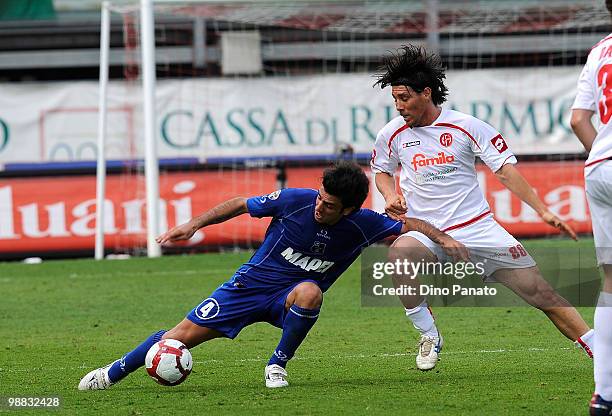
<point>303,304</point>
<point>417,310</point>
<point>191,334</point>
<point>186,331</point>
<point>412,250</point>
<point>529,284</point>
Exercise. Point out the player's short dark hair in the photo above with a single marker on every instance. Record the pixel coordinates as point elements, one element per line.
<point>412,66</point>
<point>609,6</point>
<point>347,181</point>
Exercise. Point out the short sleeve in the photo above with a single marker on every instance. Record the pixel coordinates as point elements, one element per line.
<point>385,157</point>
<point>585,99</point>
<point>276,203</point>
<point>375,226</point>
<point>488,144</point>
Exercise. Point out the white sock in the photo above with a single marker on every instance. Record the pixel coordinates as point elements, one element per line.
<point>603,345</point>
<point>587,339</point>
<point>423,320</point>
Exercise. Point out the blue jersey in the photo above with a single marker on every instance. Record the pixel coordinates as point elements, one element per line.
<point>296,247</point>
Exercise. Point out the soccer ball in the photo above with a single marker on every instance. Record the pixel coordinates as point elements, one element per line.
<point>169,362</point>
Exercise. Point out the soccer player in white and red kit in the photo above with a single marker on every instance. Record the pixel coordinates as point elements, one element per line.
<point>436,149</point>
<point>594,97</point>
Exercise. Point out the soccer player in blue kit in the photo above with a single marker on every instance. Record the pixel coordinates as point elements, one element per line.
<point>313,238</point>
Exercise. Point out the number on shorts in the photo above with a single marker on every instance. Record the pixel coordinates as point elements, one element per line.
<point>517,251</point>
<point>205,310</point>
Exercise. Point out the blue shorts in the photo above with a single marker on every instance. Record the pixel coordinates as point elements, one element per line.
<point>240,302</point>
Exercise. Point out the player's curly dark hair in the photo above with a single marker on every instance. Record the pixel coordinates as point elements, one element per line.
<point>414,67</point>
<point>347,181</point>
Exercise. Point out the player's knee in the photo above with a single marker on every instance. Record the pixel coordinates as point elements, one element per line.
<point>399,251</point>
<point>308,295</point>
<point>408,249</point>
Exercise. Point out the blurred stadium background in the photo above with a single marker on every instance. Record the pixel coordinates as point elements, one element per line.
<point>252,96</point>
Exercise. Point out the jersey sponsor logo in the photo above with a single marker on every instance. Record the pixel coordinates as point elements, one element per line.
<point>420,160</point>
<point>446,139</point>
<point>208,309</point>
<point>307,263</point>
<point>323,234</point>
<point>499,143</point>
<point>410,144</point>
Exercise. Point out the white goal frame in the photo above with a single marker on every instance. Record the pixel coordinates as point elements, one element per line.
<point>147,35</point>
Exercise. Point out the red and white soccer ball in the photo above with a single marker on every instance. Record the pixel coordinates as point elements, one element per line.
<point>169,362</point>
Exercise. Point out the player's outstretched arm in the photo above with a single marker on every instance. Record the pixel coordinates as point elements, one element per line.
<point>583,127</point>
<point>512,179</point>
<point>452,247</point>
<point>395,204</point>
<point>222,212</point>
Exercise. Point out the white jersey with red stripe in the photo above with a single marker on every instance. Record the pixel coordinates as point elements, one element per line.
<point>595,94</point>
<point>438,174</point>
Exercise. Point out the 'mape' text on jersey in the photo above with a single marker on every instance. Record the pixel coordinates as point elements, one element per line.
<point>306,262</point>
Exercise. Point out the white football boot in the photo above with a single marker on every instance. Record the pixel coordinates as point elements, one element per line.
<point>429,348</point>
<point>276,376</point>
<point>96,379</point>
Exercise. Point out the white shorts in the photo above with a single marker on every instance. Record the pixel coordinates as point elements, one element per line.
<point>488,243</point>
<point>598,184</point>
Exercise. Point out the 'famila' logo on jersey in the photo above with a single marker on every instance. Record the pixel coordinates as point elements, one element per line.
<point>420,160</point>
<point>306,263</point>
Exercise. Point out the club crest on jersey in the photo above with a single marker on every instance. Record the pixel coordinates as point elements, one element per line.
<point>499,143</point>
<point>446,139</point>
<point>307,263</point>
<point>420,160</point>
<point>318,247</point>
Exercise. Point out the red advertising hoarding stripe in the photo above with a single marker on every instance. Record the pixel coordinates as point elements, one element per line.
<point>55,214</point>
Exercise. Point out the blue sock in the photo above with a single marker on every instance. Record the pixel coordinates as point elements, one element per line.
<point>295,327</point>
<point>134,359</point>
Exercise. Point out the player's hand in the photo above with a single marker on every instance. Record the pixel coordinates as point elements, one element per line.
<point>395,207</point>
<point>551,219</point>
<point>178,233</point>
<point>453,248</point>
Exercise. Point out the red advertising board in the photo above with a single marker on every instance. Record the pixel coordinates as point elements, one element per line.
<point>58,213</point>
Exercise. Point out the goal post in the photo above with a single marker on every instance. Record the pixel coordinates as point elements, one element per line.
<point>102,120</point>
<point>151,161</point>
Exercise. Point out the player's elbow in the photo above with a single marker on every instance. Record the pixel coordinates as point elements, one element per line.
<point>240,205</point>
<point>575,121</point>
<point>579,120</point>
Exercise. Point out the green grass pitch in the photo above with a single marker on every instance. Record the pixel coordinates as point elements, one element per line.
<point>60,319</point>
